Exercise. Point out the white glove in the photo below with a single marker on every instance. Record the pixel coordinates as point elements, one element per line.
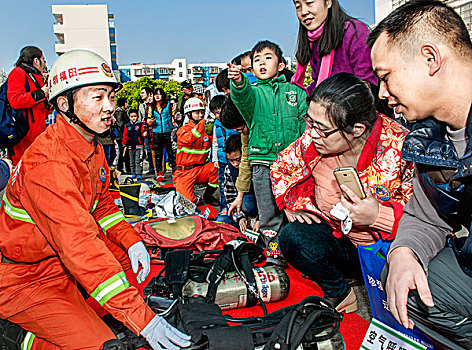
<point>161,335</point>
<point>138,254</point>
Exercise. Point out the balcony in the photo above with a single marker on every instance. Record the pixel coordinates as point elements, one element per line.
<point>214,70</point>
<point>60,38</point>
<point>59,19</point>
<point>197,70</point>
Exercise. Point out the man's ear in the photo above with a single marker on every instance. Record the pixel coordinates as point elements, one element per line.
<point>62,103</point>
<point>431,54</point>
<point>358,130</point>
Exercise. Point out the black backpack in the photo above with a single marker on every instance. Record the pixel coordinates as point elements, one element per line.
<point>14,125</point>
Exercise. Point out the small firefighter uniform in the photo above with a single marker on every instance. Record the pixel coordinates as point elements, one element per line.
<point>193,149</point>
<point>54,210</point>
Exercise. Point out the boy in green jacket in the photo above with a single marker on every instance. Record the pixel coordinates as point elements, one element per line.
<point>273,110</point>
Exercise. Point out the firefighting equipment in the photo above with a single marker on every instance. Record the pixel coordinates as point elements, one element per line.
<point>272,283</point>
<point>77,68</point>
<point>114,184</point>
<point>138,254</point>
<point>130,199</point>
<point>193,104</point>
<point>159,332</point>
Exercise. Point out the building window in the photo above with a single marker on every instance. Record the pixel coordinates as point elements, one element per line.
<point>189,71</point>
<point>138,72</point>
<point>180,74</point>
<point>163,71</point>
<point>180,64</point>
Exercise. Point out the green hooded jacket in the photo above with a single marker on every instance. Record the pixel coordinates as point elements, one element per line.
<point>273,110</point>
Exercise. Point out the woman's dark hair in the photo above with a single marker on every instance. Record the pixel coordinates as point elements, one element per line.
<point>233,143</point>
<point>230,116</point>
<point>348,100</point>
<point>331,38</point>
<point>217,102</point>
<point>28,54</point>
<point>163,94</point>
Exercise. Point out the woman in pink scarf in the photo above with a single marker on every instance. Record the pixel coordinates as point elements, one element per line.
<point>332,42</point>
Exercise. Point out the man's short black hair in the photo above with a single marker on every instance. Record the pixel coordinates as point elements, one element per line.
<point>266,44</point>
<point>222,81</point>
<point>230,116</point>
<point>239,58</point>
<point>217,102</point>
<point>121,102</point>
<point>422,20</point>
<point>134,110</point>
<point>233,144</point>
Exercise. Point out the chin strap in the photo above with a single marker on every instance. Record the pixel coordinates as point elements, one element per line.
<point>73,118</point>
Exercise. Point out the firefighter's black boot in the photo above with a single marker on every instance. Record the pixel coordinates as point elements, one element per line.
<point>130,199</point>
<point>208,196</point>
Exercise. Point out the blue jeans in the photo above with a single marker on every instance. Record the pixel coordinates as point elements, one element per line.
<point>221,182</point>
<point>315,252</point>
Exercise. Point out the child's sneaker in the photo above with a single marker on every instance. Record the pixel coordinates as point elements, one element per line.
<point>133,176</point>
<point>159,177</point>
<point>139,177</point>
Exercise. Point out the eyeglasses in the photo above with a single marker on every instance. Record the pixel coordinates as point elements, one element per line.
<point>322,133</point>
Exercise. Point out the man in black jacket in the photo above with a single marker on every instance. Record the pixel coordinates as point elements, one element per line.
<point>422,54</point>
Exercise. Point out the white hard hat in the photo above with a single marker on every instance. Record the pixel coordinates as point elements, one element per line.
<point>193,104</point>
<point>77,68</point>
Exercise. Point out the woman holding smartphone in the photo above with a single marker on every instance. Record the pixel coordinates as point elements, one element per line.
<point>343,130</point>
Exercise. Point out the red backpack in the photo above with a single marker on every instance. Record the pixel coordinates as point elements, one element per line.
<point>190,232</point>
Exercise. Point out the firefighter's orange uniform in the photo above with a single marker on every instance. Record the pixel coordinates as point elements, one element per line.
<point>193,148</point>
<point>54,211</point>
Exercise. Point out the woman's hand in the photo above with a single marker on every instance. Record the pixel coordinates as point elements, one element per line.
<point>151,121</point>
<point>363,212</point>
<point>301,216</point>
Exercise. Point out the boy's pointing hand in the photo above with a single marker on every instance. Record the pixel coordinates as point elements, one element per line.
<point>234,73</point>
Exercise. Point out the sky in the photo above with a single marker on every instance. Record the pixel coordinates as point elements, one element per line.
<point>156,31</point>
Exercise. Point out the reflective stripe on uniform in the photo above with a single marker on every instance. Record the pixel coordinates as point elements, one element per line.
<point>193,151</point>
<point>28,341</point>
<point>15,213</point>
<point>212,185</point>
<point>94,206</point>
<point>111,220</point>
<point>196,133</point>
<point>110,288</point>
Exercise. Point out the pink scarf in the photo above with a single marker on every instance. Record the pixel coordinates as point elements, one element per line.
<point>326,62</point>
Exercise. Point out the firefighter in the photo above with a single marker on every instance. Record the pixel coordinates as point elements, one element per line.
<point>60,226</point>
<point>193,149</point>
